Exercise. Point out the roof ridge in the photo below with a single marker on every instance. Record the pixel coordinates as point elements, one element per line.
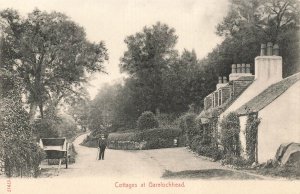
<point>254,105</point>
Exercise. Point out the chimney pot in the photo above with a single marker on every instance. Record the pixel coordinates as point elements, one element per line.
<point>248,68</point>
<point>269,49</point>
<point>262,49</point>
<point>276,50</point>
<point>220,79</point>
<point>243,68</point>
<point>238,68</point>
<point>224,79</point>
<point>233,68</point>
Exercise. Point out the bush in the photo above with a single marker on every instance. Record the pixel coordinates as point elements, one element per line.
<point>210,151</point>
<point>92,139</point>
<point>230,134</point>
<point>19,153</point>
<point>199,145</point>
<point>189,126</point>
<point>147,120</point>
<point>159,137</point>
<point>45,128</point>
<point>237,161</point>
<point>167,120</point>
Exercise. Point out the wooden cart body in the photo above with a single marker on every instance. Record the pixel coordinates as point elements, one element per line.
<point>55,148</point>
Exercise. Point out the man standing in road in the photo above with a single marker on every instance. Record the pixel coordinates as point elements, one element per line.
<point>102,146</point>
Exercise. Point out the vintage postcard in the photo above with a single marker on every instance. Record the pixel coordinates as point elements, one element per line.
<point>150,96</point>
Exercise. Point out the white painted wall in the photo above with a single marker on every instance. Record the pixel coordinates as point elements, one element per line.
<point>280,123</point>
<point>268,70</point>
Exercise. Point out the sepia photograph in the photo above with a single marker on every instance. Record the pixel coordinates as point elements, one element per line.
<point>149,96</point>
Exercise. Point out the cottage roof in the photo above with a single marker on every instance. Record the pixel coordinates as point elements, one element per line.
<point>268,95</point>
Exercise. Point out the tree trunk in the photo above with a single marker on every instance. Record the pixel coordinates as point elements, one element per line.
<point>33,107</point>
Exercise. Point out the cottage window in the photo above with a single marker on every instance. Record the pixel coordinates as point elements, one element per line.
<point>219,97</point>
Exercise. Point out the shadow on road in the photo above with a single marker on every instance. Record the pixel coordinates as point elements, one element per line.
<point>220,174</point>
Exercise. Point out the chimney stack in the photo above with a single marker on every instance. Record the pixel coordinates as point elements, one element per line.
<point>243,68</point>
<point>233,68</point>
<point>248,68</point>
<point>262,49</point>
<point>268,66</point>
<point>238,68</point>
<point>220,80</point>
<point>276,50</point>
<point>269,49</point>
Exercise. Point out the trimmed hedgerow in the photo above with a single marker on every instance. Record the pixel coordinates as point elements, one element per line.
<point>160,137</point>
<point>129,136</point>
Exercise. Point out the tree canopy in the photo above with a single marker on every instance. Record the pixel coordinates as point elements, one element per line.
<point>50,53</point>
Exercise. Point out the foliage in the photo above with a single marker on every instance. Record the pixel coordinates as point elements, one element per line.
<point>189,126</point>
<point>20,155</point>
<point>112,109</point>
<point>148,54</point>
<point>202,145</point>
<point>159,137</point>
<point>129,136</point>
<point>251,136</point>
<point>67,127</point>
<point>167,120</point>
<point>45,128</point>
<point>251,22</point>
<point>51,54</point>
<point>210,151</point>
<point>147,120</point>
<point>80,113</point>
<point>236,161</point>
<point>230,129</point>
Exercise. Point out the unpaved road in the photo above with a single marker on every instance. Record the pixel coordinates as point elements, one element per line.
<point>141,163</point>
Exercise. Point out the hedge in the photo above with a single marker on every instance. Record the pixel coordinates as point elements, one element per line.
<point>129,136</point>
<point>160,137</point>
<point>147,139</point>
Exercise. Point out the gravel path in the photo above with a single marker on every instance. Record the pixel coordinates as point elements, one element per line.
<point>141,163</point>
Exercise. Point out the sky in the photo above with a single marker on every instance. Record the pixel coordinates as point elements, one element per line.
<point>112,20</point>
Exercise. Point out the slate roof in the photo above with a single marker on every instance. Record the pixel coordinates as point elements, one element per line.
<point>268,95</point>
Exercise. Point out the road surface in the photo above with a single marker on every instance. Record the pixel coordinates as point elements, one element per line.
<point>142,163</point>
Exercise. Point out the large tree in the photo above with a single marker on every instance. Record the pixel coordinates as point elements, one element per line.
<point>148,54</point>
<point>252,22</point>
<point>51,55</point>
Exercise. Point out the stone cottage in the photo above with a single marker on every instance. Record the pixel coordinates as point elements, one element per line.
<point>272,99</point>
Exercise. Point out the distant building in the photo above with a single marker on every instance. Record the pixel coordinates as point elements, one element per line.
<point>266,94</point>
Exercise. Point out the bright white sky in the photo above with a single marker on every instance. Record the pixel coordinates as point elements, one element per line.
<point>112,20</point>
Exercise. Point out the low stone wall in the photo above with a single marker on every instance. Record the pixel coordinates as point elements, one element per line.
<point>127,145</point>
